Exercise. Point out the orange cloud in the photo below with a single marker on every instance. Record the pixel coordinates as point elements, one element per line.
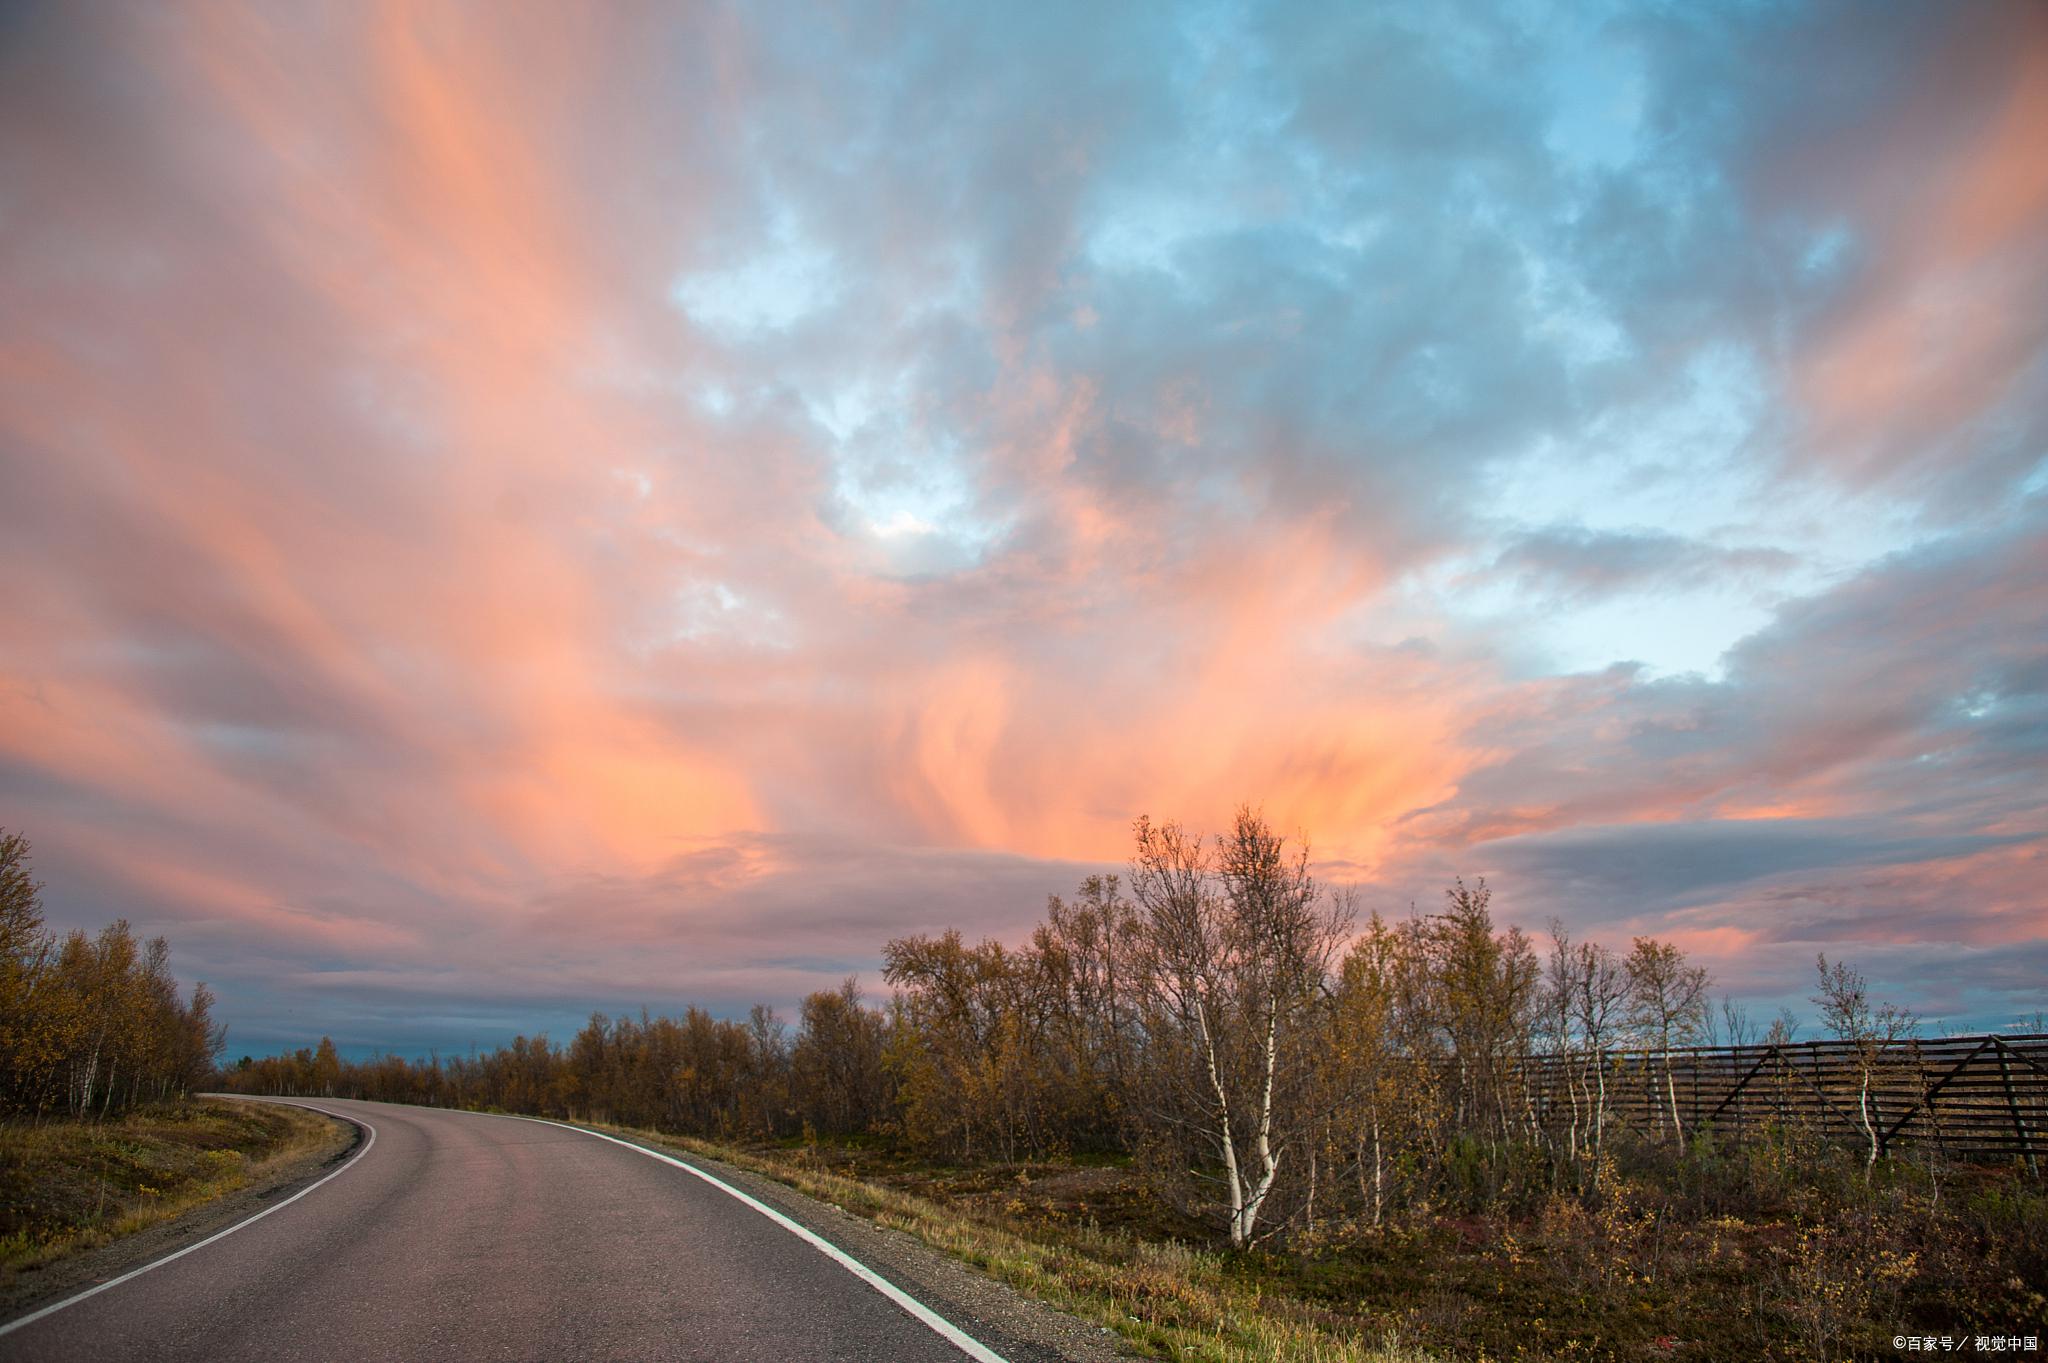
<point>405,569</point>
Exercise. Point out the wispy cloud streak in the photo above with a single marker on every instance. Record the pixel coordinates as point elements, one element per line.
<point>509,513</point>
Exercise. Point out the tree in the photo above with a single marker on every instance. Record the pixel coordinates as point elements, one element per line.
<point>326,1067</point>
<point>27,1042</point>
<point>1237,946</point>
<point>1845,1010</point>
<point>1561,985</point>
<point>836,1065</point>
<point>1485,999</point>
<point>1366,1054</point>
<point>1600,993</point>
<point>22,936</point>
<point>1737,1028</point>
<point>960,1047</point>
<point>90,1024</point>
<point>1667,1005</point>
<point>1082,959</point>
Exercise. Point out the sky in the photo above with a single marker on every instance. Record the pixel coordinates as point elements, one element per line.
<point>511,509</point>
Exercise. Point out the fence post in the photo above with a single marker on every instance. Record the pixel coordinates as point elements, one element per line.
<point>2012,1105</point>
<point>1694,1059</point>
<point>1927,1099</point>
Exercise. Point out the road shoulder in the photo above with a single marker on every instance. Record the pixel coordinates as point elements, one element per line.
<point>1019,1327</point>
<point>26,1290</point>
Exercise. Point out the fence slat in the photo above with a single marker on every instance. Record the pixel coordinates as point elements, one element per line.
<point>1983,1096</point>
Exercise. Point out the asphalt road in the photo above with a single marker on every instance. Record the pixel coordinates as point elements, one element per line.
<point>458,1236</point>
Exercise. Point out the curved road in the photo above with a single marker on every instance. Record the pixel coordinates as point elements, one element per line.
<point>454,1236</point>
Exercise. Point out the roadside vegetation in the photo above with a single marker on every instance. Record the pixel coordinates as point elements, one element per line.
<point>1822,1265</point>
<point>1167,1297</point>
<point>69,1185</point>
<point>90,1026</point>
<point>98,1052</point>
<point>1208,1101</point>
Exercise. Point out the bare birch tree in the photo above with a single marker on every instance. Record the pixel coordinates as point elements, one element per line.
<point>1237,951</point>
<point>1600,990</point>
<point>1846,1010</point>
<point>1667,1005</point>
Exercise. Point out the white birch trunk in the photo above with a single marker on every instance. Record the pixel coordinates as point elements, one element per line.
<point>1232,1180</point>
<point>1269,1162</point>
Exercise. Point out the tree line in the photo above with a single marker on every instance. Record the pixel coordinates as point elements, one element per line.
<point>90,1024</point>
<point>1215,1014</point>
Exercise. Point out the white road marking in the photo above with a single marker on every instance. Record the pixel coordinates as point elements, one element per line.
<point>55,1307</point>
<point>931,1319</point>
<point>945,1329</point>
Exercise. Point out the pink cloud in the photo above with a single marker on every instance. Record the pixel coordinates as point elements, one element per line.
<point>1950,201</point>
<point>409,578</point>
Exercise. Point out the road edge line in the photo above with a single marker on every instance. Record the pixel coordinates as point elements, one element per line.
<point>94,1291</point>
<point>925,1316</point>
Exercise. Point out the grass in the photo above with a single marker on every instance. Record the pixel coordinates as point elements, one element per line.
<point>1794,1263</point>
<point>1165,1298</point>
<point>67,1186</point>
<point>1767,1251</point>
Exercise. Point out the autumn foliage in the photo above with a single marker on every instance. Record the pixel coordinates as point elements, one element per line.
<point>1217,1015</point>
<point>1432,1126</point>
<point>90,1025</point>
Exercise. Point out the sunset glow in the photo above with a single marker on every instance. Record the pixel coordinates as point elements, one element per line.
<point>511,510</point>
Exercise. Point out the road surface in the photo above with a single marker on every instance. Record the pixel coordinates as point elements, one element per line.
<point>455,1236</point>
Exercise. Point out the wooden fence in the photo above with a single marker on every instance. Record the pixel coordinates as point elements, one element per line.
<point>1970,1097</point>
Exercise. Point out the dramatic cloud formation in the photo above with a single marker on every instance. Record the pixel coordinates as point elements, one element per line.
<point>515,510</point>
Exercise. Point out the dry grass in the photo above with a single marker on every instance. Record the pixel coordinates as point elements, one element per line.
<point>70,1186</point>
<point>1165,1299</point>
<point>1719,1254</point>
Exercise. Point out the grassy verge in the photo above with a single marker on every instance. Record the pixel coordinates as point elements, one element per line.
<point>1814,1264</point>
<point>1165,1299</point>
<point>69,1186</point>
